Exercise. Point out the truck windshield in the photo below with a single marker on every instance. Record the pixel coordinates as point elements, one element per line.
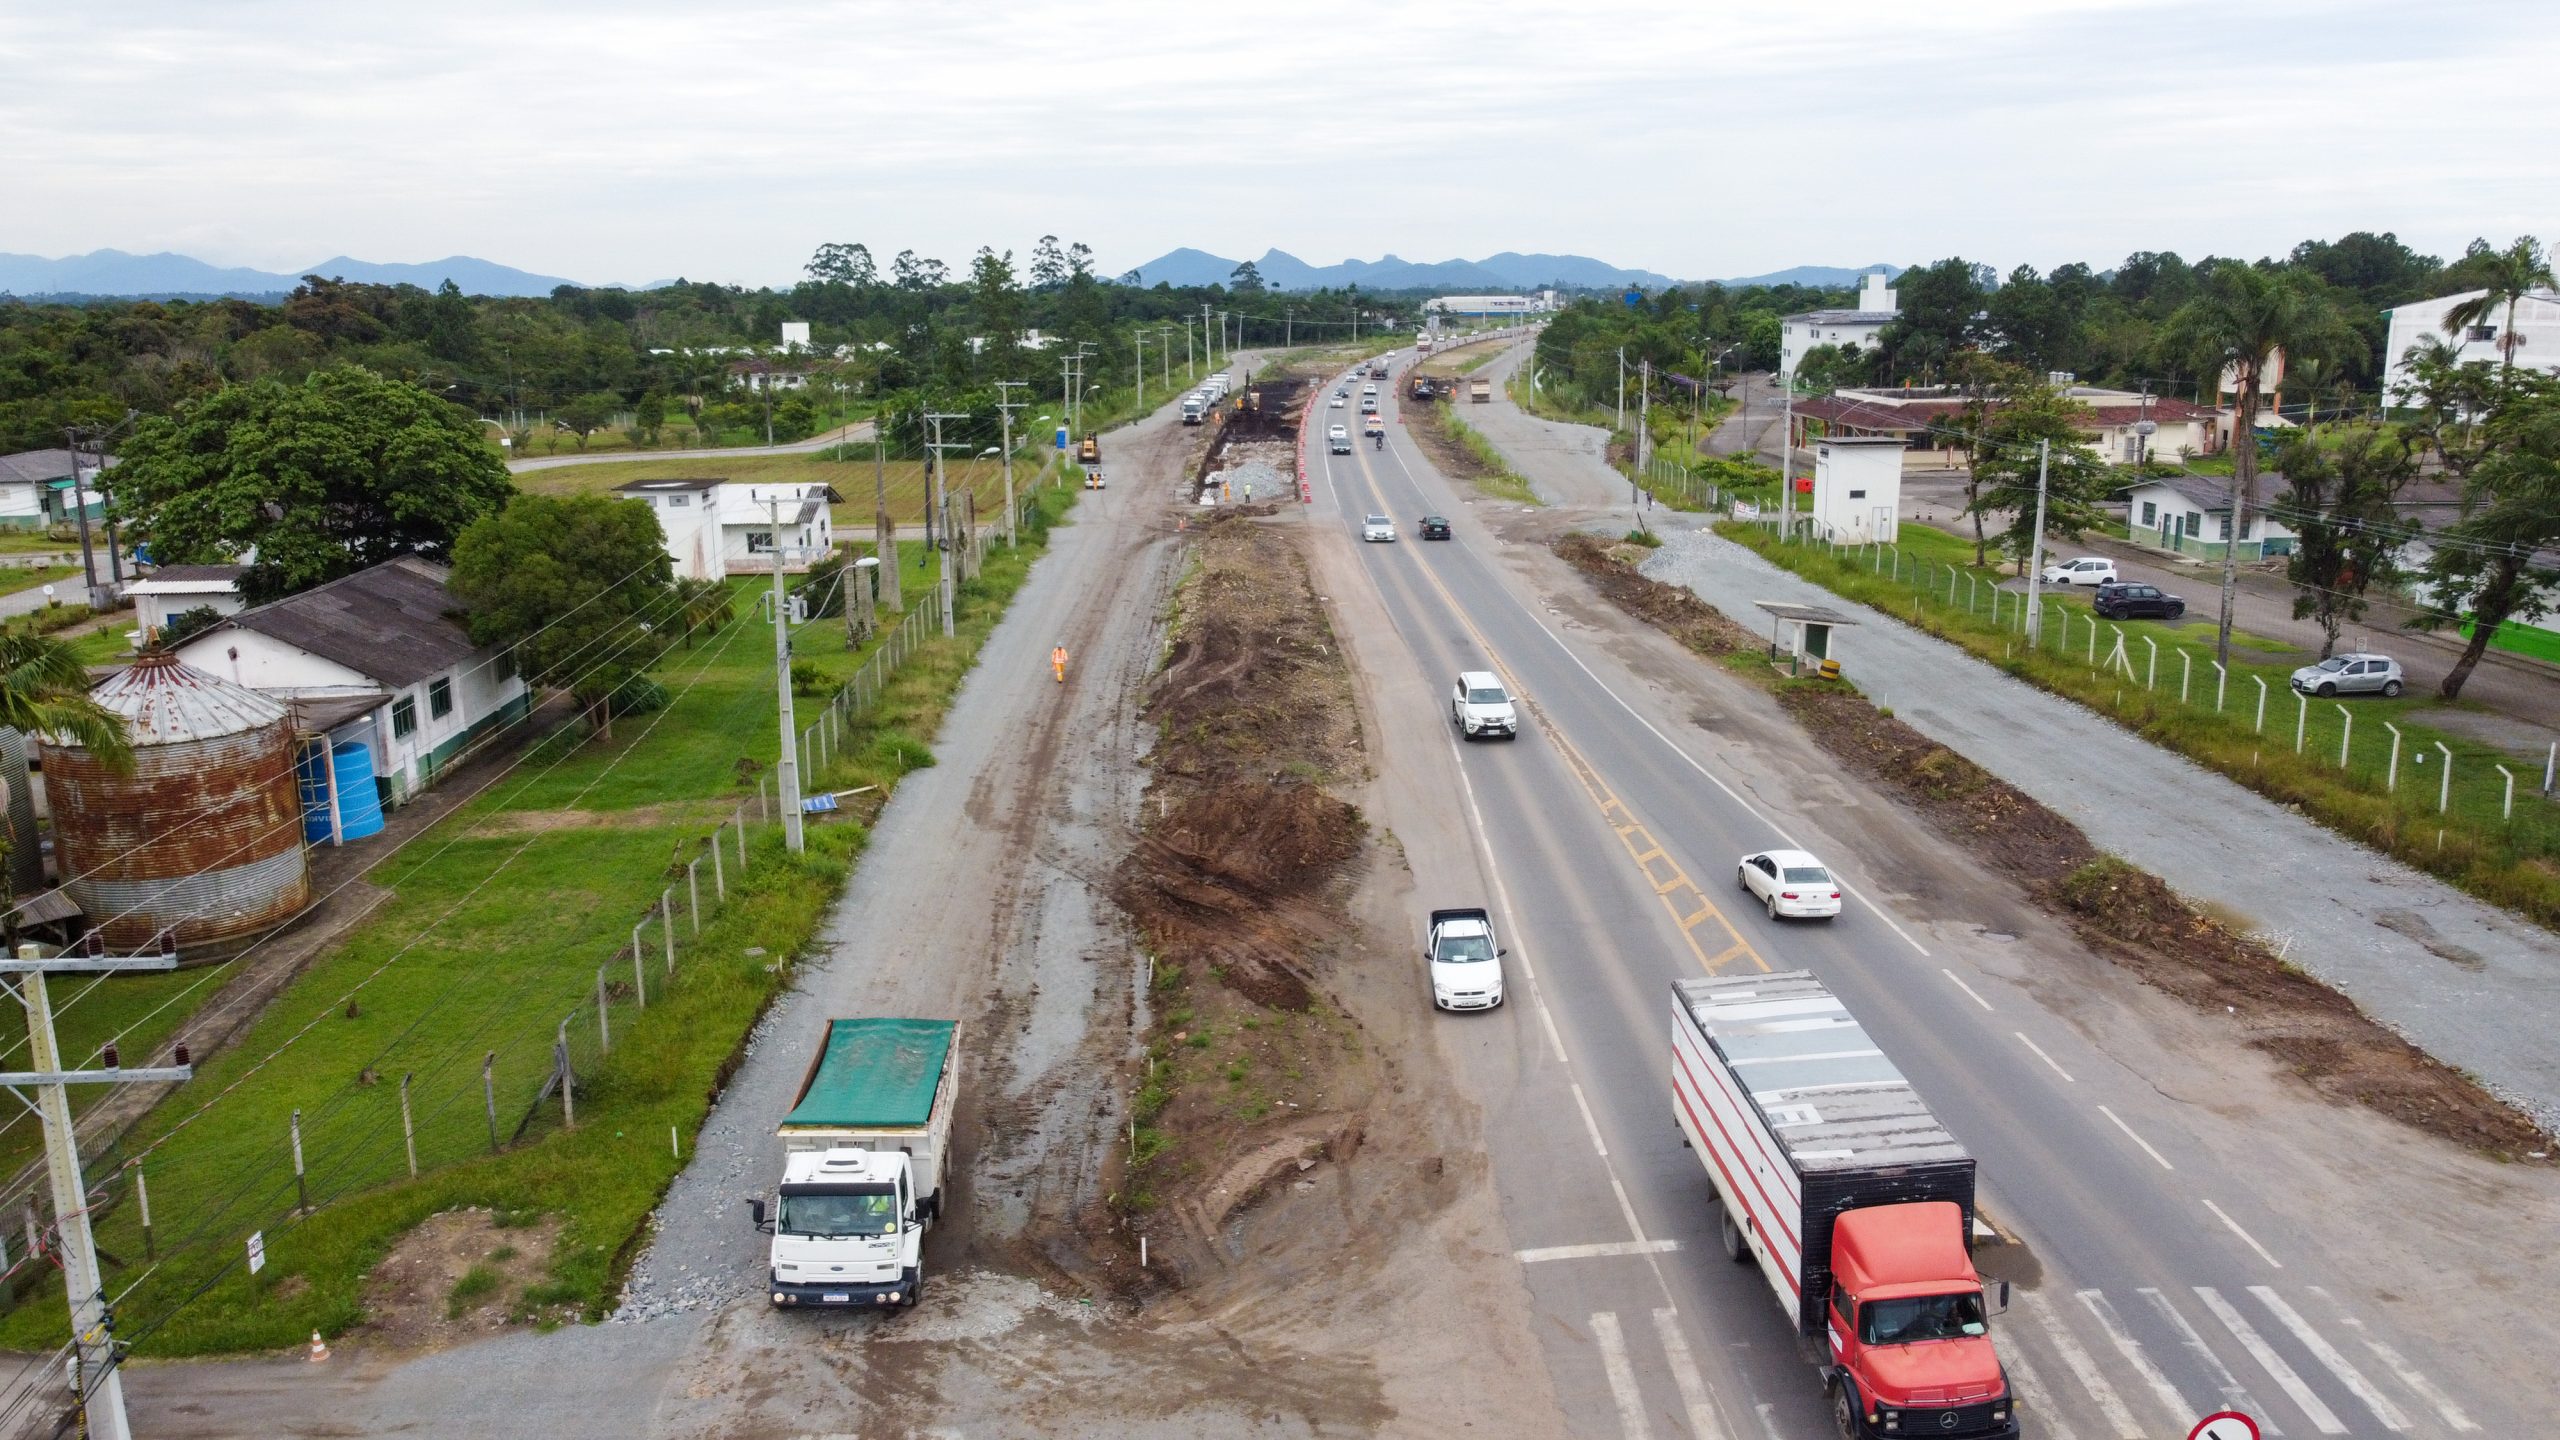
<point>1465,947</point>
<point>835,1215</point>
<point>1924,1317</point>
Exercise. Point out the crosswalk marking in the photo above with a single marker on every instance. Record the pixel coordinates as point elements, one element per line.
<point>1684,1373</point>
<point>2030,1388</point>
<point>1602,1250</point>
<point>2327,1354</point>
<point>2131,1349</point>
<point>1622,1376</point>
<point>2233,1396</point>
<point>2083,1367</point>
<point>2407,1372</point>
<point>2274,1364</point>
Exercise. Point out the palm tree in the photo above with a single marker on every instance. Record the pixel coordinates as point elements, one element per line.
<point>2511,274</point>
<point>2241,319</point>
<point>44,690</point>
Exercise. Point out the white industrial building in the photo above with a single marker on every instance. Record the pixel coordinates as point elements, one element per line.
<point>718,528</point>
<point>2537,326</point>
<point>1857,488</point>
<point>173,590</point>
<point>1491,306</point>
<point>1878,304</point>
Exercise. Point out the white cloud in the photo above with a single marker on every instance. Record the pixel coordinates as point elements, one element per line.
<point>632,141</point>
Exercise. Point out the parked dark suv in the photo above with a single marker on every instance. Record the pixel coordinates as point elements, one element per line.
<point>2130,600</point>
<point>1434,528</point>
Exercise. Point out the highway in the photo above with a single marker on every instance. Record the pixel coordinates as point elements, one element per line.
<point>2164,1272</point>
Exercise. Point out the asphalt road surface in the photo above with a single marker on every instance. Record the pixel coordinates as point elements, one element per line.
<point>2177,1250</point>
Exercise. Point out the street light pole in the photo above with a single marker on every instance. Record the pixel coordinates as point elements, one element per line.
<point>787,769</point>
<point>2035,554</point>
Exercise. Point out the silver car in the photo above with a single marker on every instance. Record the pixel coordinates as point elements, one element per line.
<point>2350,675</point>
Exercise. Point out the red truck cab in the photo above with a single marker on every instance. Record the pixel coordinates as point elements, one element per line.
<point>1908,1326</point>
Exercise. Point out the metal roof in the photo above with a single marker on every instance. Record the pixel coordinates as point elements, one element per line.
<point>167,702</point>
<point>1819,1081</point>
<point>653,487</point>
<point>392,623</point>
<point>1804,614</point>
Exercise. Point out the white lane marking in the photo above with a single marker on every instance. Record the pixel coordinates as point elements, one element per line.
<point>1587,1122</point>
<point>2131,1349</point>
<point>1673,746</point>
<point>2322,1417</point>
<point>2030,1044</point>
<point>1622,1376</point>
<point>2234,1396</point>
<point>2327,1354</point>
<point>2030,1388</point>
<point>2234,1226</point>
<point>1977,999</point>
<point>2400,1366</point>
<point>1510,921</point>
<point>1769,1420</point>
<point>1694,1396</point>
<point>2082,1366</point>
<point>1601,1251</point>
<point>2138,1140</point>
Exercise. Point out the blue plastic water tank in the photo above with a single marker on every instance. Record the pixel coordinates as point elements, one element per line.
<point>359,804</point>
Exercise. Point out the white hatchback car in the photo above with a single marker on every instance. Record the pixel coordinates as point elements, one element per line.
<point>1794,885</point>
<point>2087,570</point>
<point>1378,527</point>
<point>1339,402</point>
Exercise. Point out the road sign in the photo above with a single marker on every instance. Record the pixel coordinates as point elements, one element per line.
<point>2225,1425</point>
<point>258,1256</point>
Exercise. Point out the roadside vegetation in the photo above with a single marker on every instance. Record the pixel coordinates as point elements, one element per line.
<point>1457,449</point>
<point>500,918</point>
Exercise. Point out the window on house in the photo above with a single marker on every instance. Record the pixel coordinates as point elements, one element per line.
<point>2150,514</point>
<point>504,667</point>
<point>2484,332</point>
<point>678,502</point>
<point>1857,494</point>
<point>404,718</point>
<point>2222,527</point>
<point>759,542</point>
<point>439,699</point>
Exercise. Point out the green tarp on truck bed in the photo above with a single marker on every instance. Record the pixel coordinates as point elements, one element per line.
<point>875,1075</point>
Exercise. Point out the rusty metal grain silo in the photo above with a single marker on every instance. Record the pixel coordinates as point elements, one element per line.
<point>203,836</point>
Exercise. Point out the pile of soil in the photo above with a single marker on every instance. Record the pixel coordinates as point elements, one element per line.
<point>416,1299</point>
<point>2127,915</point>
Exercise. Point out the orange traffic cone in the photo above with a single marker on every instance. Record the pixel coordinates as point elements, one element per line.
<point>319,1348</point>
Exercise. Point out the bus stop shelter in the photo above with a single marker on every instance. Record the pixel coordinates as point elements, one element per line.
<point>1802,635</point>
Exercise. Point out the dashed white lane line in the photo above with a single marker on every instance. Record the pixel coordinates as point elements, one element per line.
<point>2327,1354</point>
<point>2140,1359</point>
<point>2082,1366</point>
<point>2325,1419</point>
<point>1601,1251</point>
<point>2408,1373</point>
<point>2138,1140</point>
<point>1511,921</point>
<point>1588,1123</point>
<point>2031,1388</point>
<point>1622,1376</point>
<point>1684,1373</point>
<point>2039,1053</point>
<point>1967,989</point>
<point>2235,1396</point>
<point>2250,1240</point>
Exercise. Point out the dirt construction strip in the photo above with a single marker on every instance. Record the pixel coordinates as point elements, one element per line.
<point>2130,916</point>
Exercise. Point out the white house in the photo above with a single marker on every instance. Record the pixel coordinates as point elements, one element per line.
<point>719,528</point>
<point>2537,329</point>
<point>175,589</point>
<point>1922,417</point>
<point>380,653</point>
<point>2191,514</point>
<point>1857,488</point>
<point>35,488</point>
<point>1878,303</point>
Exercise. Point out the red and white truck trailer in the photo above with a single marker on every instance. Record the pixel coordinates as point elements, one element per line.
<point>1853,1201</point>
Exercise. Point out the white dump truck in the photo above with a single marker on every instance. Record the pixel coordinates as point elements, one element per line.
<point>864,1147</point>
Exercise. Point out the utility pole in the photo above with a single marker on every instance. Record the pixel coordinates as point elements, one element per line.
<point>1190,371</point>
<point>950,585</point>
<point>1787,455</point>
<point>787,769</point>
<point>1208,343</point>
<point>1139,364</point>
<point>1288,326</point>
<point>1622,387</point>
<point>887,530</point>
<point>88,558</point>
<point>97,1371</point>
<point>1644,414</point>
<point>1005,406</point>
<point>2035,555</point>
<point>1164,353</point>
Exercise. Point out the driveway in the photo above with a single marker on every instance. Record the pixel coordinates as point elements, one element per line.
<point>841,435</point>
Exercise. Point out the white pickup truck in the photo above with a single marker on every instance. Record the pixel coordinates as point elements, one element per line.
<point>864,1147</point>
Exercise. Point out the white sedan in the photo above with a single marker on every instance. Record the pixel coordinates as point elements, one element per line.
<point>1378,527</point>
<point>1337,402</point>
<point>1794,884</point>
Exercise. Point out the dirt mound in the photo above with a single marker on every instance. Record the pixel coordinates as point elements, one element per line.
<point>460,1275</point>
<point>1672,609</point>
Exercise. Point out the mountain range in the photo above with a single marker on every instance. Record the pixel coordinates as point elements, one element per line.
<point>1507,271</point>
<point>114,272</point>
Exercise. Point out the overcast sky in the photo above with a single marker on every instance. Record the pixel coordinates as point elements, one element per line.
<point>631,140</point>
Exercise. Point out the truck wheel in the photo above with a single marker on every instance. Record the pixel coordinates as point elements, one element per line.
<point>1844,1410</point>
<point>1731,1234</point>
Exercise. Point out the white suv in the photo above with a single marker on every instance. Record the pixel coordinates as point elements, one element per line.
<point>2087,570</point>
<point>1478,705</point>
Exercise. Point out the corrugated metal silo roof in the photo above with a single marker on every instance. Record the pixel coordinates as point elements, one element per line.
<point>167,702</point>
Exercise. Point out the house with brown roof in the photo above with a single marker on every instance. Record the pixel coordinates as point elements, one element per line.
<point>381,659</point>
<point>1923,417</point>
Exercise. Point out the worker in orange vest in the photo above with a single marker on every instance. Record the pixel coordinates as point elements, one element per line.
<point>1058,662</point>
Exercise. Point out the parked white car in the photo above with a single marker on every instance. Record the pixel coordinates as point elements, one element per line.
<point>1378,527</point>
<point>1793,884</point>
<point>1478,705</point>
<point>2087,570</point>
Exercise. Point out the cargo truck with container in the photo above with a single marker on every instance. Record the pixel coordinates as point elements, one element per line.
<point>1194,406</point>
<point>1850,1199</point>
<point>1480,391</point>
<point>864,1150</point>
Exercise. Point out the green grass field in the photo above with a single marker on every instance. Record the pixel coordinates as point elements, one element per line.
<point>2508,861</point>
<point>854,479</point>
<point>2527,640</point>
<point>503,914</point>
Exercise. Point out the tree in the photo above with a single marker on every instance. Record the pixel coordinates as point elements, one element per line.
<point>586,415</point>
<point>2339,502</point>
<point>1079,261</point>
<point>1245,279</point>
<point>578,586</point>
<point>2019,411</point>
<point>2239,321</point>
<point>323,478</point>
<point>1940,317</point>
<point>844,265</point>
<point>917,274</point>
<point>703,607</point>
<point>1048,264</point>
<point>2499,433</point>
<point>185,623</point>
<point>649,416</point>
<point>2506,277</point>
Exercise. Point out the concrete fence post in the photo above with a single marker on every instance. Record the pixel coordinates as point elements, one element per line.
<point>2151,667</point>
<point>301,1184</point>
<point>568,1086</point>
<point>604,1026</point>
<point>2346,732</point>
<point>408,1127</point>
<point>719,878</point>
<point>2186,673</point>
<point>489,1084</point>
<point>2391,771</point>
<point>2507,807</point>
<point>2301,714</point>
<point>2221,680</point>
<point>693,891</point>
<point>2444,782</point>
<point>2262,703</point>
<point>667,925</point>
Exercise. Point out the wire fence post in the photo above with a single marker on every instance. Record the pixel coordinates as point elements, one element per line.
<point>604,1026</point>
<point>667,926</point>
<point>408,1127</point>
<point>2346,732</point>
<point>639,987</point>
<point>693,891</point>
<point>142,1193</point>
<point>301,1183</point>
<point>2262,702</point>
<point>2507,810</point>
<point>568,1085</point>
<point>2391,767</point>
<point>719,880</point>
<point>489,1095</point>
<point>742,840</point>
<point>764,801</point>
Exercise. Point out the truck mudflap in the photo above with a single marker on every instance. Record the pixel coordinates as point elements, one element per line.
<point>884,1295</point>
<point>1972,1420</point>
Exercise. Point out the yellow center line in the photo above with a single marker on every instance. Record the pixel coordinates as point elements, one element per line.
<point>1690,910</point>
